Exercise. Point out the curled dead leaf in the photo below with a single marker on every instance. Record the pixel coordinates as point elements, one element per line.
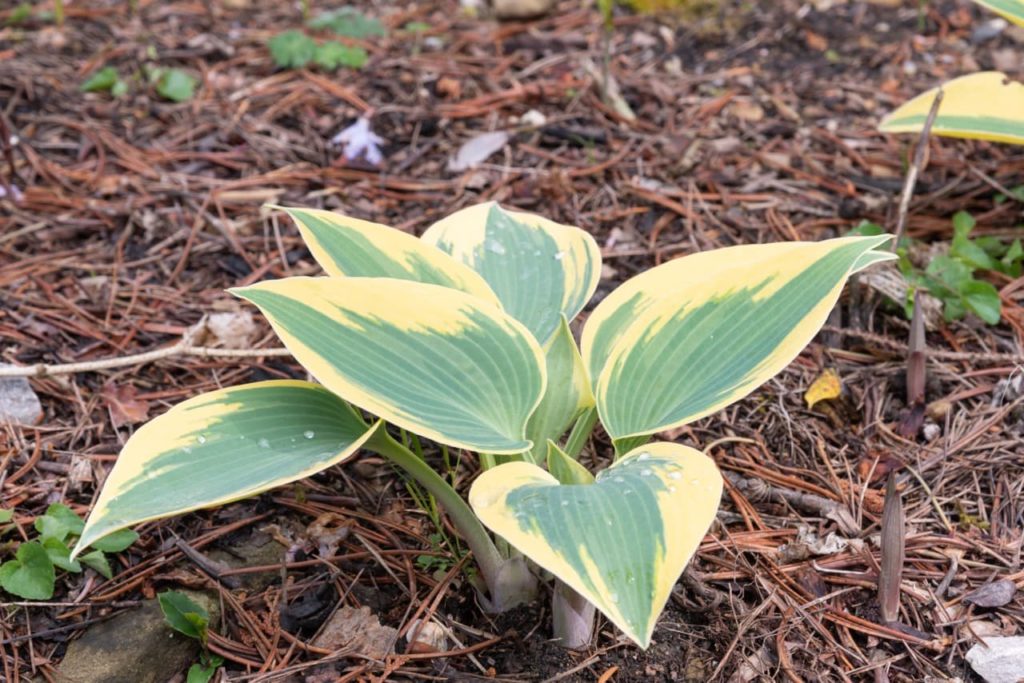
<point>995,594</point>
<point>124,405</point>
<point>826,387</point>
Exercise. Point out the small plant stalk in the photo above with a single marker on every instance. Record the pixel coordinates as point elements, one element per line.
<point>58,12</point>
<point>572,618</point>
<point>893,551</point>
<point>508,580</point>
<point>580,433</point>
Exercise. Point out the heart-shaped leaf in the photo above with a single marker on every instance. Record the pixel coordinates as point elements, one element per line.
<point>60,555</point>
<point>434,360</point>
<point>540,270</point>
<point>351,247</point>
<point>688,338</point>
<point>621,542</point>
<point>220,447</point>
<point>30,574</point>
<point>59,522</point>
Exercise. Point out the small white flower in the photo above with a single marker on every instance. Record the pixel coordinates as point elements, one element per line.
<point>358,140</point>
<point>16,195</point>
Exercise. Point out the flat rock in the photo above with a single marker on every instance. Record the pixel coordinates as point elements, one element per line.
<point>256,550</point>
<point>134,647</point>
<point>1002,661</point>
<point>360,630</point>
<point>18,403</point>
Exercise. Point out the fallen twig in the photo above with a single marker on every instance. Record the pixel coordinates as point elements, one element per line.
<point>44,370</point>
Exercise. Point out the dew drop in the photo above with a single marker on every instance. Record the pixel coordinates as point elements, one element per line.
<point>626,492</point>
<point>242,437</point>
<point>565,503</point>
<point>559,256</point>
<point>614,597</point>
<point>675,475</point>
<point>617,479</point>
<point>631,579</point>
<point>608,521</point>
<point>695,481</point>
<point>309,433</point>
<point>263,443</point>
<point>671,489</point>
<point>646,472</point>
<point>186,449</point>
<point>496,247</point>
<point>201,439</point>
<point>643,456</point>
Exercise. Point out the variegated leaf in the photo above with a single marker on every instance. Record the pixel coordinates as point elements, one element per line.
<point>688,338</point>
<point>223,446</point>
<point>564,468</point>
<point>567,395</point>
<point>1010,9</point>
<point>433,360</point>
<point>539,269</point>
<point>351,247</point>
<point>621,542</point>
<point>983,106</point>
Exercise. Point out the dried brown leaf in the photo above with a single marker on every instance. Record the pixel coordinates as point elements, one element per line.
<point>123,404</point>
<point>995,594</point>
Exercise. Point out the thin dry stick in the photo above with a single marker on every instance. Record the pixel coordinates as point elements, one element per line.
<point>180,349</point>
<point>886,342</point>
<point>915,169</point>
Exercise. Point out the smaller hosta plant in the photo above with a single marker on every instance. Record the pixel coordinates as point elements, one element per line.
<point>32,573</point>
<point>986,106</point>
<point>463,337</point>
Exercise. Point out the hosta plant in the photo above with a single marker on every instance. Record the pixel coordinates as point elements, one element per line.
<point>463,337</point>
<point>985,106</point>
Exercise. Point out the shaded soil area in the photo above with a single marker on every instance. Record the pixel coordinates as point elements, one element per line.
<point>755,122</point>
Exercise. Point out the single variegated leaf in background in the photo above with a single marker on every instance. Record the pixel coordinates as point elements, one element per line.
<point>1008,9</point>
<point>981,106</point>
<point>564,468</point>
<point>688,338</point>
<point>540,270</point>
<point>357,248</point>
<point>567,395</point>
<point>621,542</point>
<point>436,361</point>
<point>223,446</point>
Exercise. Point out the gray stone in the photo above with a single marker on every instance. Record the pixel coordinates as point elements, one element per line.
<point>134,647</point>
<point>999,660</point>
<point>18,403</point>
<point>256,550</point>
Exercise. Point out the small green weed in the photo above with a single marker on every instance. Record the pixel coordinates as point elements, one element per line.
<point>188,618</point>
<point>294,50</point>
<point>32,572</point>
<point>349,22</point>
<point>951,277</point>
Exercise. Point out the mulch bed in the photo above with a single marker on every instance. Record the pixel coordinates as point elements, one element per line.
<point>755,122</point>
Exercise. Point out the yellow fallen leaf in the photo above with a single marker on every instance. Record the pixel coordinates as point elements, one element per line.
<point>825,388</point>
